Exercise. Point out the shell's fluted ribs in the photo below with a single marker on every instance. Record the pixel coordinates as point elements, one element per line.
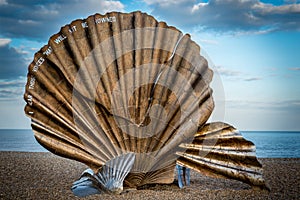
<point>99,33</point>
<point>131,66</point>
<point>162,77</point>
<point>66,63</point>
<point>138,56</point>
<point>80,49</point>
<point>216,131</point>
<point>166,153</point>
<point>124,46</point>
<point>175,47</point>
<point>65,149</point>
<point>101,97</point>
<point>113,73</point>
<point>188,75</point>
<point>99,64</point>
<point>119,64</point>
<point>181,132</point>
<point>100,131</point>
<point>143,95</point>
<point>224,159</point>
<point>213,160</point>
<point>46,81</point>
<point>56,116</point>
<point>110,76</point>
<point>75,53</point>
<point>42,97</point>
<point>163,175</point>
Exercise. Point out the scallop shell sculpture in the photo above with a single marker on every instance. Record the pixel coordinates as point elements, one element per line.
<point>129,96</point>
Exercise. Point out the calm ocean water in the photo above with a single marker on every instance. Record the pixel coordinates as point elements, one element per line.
<point>19,140</point>
<point>268,144</point>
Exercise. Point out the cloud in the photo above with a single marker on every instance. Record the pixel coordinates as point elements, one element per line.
<point>40,19</point>
<point>295,68</point>
<point>253,79</point>
<point>12,89</point>
<point>12,63</point>
<point>3,2</point>
<point>284,105</point>
<point>9,95</point>
<point>164,2</point>
<point>210,42</point>
<point>4,41</point>
<point>227,72</point>
<point>235,75</point>
<point>230,15</point>
<point>19,82</point>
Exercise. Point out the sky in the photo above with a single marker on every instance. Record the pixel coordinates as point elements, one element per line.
<point>253,47</point>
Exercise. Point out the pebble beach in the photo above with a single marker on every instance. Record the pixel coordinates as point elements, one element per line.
<point>47,176</point>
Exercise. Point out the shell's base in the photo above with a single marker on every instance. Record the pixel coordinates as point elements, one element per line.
<point>165,175</point>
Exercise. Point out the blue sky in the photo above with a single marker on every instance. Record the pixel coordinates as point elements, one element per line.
<point>254,45</point>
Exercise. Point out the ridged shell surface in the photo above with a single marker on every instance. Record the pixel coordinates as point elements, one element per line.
<point>219,150</point>
<point>117,83</point>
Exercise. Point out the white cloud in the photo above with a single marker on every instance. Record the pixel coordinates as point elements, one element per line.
<point>41,20</point>
<point>265,9</point>
<point>19,82</point>
<point>4,41</point>
<point>12,63</point>
<point>254,32</point>
<point>111,5</point>
<point>51,9</point>
<point>235,75</point>
<point>90,6</point>
<point>166,3</point>
<point>295,68</point>
<point>28,22</point>
<point>242,16</point>
<point>198,6</point>
<point>3,2</point>
<point>291,1</point>
<point>12,89</point>
<point>206,41</point>
<point>283,105</point>
<point>253,79</point>
<point>228,72</point>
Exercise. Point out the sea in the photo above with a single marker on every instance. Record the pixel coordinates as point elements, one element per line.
<point>269,144</point>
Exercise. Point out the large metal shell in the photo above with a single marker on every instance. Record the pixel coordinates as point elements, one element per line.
<point>118,83</point>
